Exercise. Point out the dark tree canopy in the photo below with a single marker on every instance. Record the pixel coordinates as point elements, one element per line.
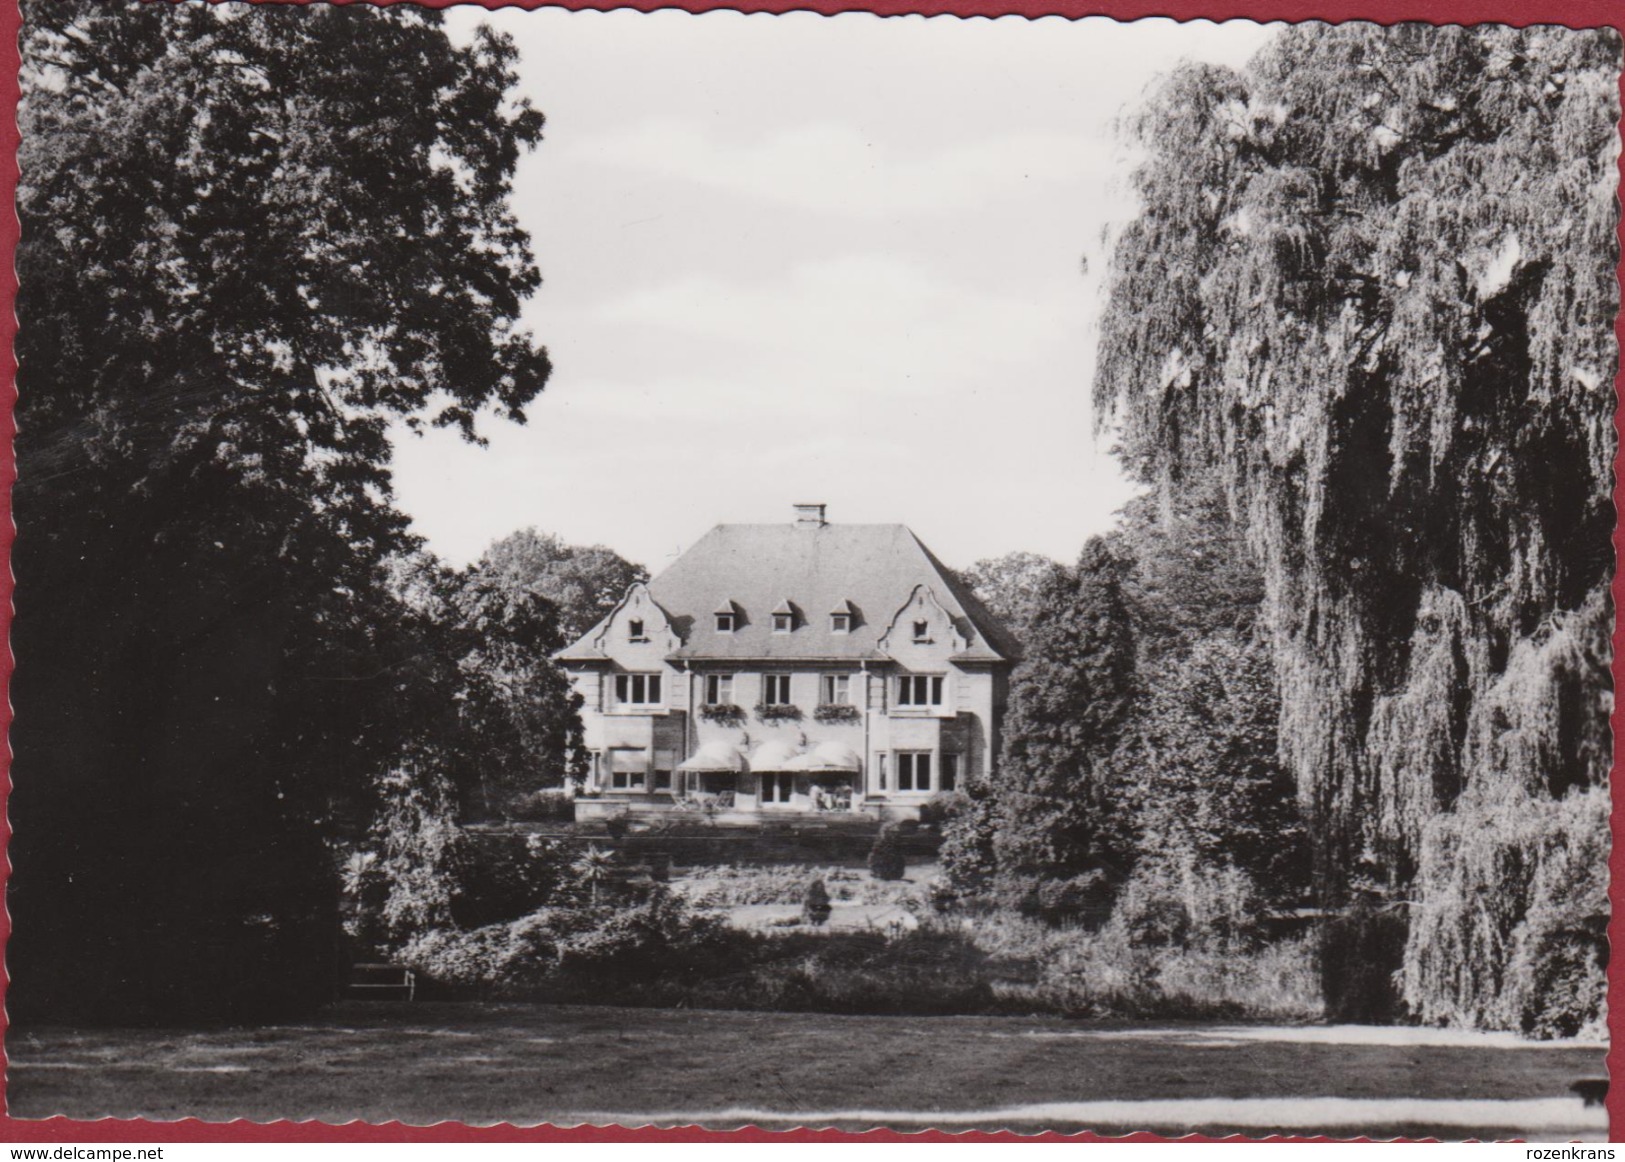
<point>1069,702</point>
<point>1372,288</point>
<point>251,238</point>
<point>518,727</point>
<point>1200,758</point>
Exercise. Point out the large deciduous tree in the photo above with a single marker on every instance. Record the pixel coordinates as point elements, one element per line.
<point>519,726</point>
<point>1200,760</point>
<point>583,582</point>
<point>1012,587</point>
<point>1372,287</point>
<point>251,238</point>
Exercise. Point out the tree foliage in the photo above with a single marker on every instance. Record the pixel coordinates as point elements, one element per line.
<point>1200,762</point>
<point>1206,781</point>
<point>509,722</point>
<point>1011,587</point>
<point>1069,702</point>
<point>251,238</point>
<point>583,582</point>
<point>1372,288</point>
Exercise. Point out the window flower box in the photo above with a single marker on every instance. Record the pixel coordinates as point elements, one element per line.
<point>724,714</point>
<point>831,712</point>
<point>777,712</point>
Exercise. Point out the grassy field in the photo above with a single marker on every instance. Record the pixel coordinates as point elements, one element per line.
<point>480,1063</point>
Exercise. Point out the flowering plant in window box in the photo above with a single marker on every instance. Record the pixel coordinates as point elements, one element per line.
<point>776,712</point>
<point>836,712</point>
<point>723,713</point>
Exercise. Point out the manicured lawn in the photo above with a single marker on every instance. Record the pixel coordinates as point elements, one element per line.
<point>484,1063</point>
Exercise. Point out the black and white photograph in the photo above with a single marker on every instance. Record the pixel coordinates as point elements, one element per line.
<point>651,569</point>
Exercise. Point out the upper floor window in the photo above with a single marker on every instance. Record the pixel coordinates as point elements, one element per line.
<point>919,690</point>
<point>840,623</point>
<point>913,770</point>
<point>922,631</point>
<point>837,689</point>
<point>725,623</point>
<point>637,689</point>
<point>776,690</point>
<point>634,630</point>
<point>719,689</point>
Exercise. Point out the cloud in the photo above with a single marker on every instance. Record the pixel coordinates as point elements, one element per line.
<point>872,322</point>
<point>837,169</point>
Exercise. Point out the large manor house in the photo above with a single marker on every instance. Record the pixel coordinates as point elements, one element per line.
<point>801,667</point>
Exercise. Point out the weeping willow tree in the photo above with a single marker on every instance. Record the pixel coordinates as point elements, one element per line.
<point>1372,286</point>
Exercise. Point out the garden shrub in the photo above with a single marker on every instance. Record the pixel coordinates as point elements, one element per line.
<point>1084,898</point>
<point>1102,974</point>
<point>968,862</point>
<point>1176,901</point>
<point>886,860</point>
<point>941,807</point>
<point>815,906</point>
<point>549,806</point>
<point>732,887</point>
<point>661,938</point>
<point>504,877</point>
<point>573,952</point>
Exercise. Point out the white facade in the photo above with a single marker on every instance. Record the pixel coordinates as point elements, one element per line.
<point>839,714</point>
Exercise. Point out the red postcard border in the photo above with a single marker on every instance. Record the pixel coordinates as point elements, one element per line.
<point>1522,13</point>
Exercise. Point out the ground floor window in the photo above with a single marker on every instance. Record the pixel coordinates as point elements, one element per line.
<point>777,786</point>
<point>629,770</point>
<point>914,770</point>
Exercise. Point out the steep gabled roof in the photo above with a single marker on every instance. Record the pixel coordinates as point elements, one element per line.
<point>875,568</point>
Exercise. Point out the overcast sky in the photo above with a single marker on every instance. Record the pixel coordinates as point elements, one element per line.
<point>801,258</point>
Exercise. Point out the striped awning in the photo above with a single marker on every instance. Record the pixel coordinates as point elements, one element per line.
<point>773,756</point>
<point>714,758</point>
<point>829,757</point>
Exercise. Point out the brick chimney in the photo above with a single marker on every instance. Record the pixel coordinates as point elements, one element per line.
<point>810,516</point>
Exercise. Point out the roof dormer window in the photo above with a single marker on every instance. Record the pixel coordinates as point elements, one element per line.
<point>634,630</point>
<point>727,615</point>
<point>725,623</point>
<point>784,617</point>
<point>840,623</point>
<point>922,631</point>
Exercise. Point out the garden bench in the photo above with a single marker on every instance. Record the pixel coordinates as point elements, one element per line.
<point>368,981</point>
